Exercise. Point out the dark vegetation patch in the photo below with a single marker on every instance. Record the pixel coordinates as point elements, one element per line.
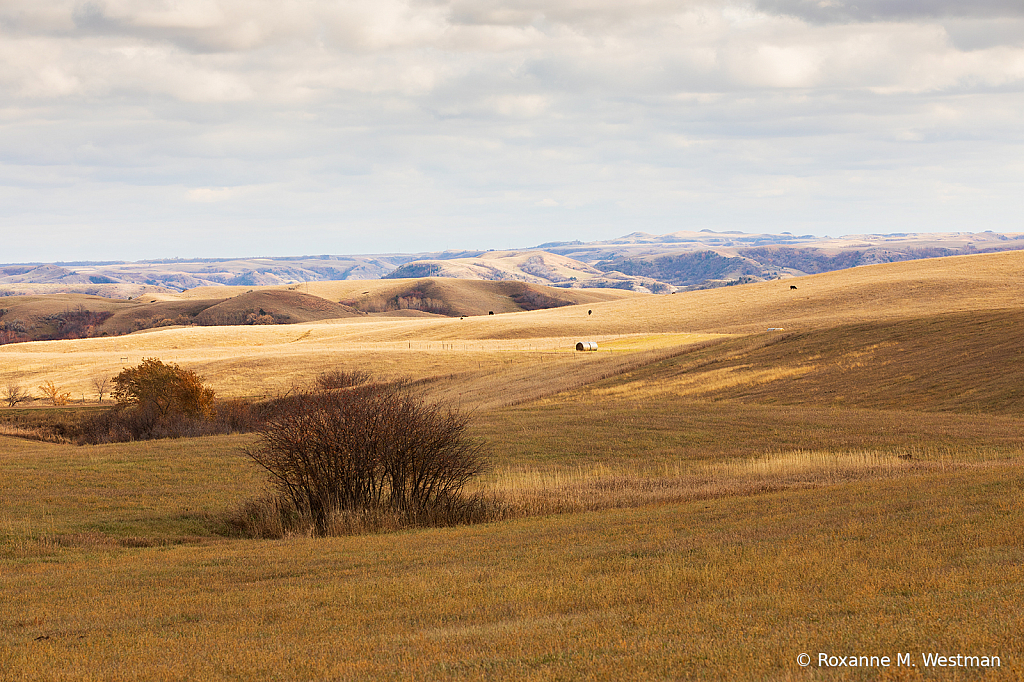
<point>415,271</point>
<point>74,324</point>
<point>12,330</point>
<point>423,296</point>
<point>811,261</point>
<point>685,269</point>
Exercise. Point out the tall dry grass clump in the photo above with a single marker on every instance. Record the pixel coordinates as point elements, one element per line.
<point>363,457</point>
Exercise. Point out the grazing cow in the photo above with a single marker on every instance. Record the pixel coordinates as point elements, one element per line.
<point>792,286</point>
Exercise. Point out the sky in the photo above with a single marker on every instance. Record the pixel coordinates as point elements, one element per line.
<point>136,129</point>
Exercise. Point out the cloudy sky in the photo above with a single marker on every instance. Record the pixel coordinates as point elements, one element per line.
<point>134,129</point>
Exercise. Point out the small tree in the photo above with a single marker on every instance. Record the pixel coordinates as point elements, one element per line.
<point>164,389</point>
<point>55,394</point>
<point>14,394</point>
<point>102,386</point>
<point>367,447</point>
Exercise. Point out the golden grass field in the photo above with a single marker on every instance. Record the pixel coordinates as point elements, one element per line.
<point>699,499</point>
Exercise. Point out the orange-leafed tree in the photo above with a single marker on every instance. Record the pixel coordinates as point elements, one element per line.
<point>55,394</point>
<point>163,388</point>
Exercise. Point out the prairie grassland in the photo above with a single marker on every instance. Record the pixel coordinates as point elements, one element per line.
<point>156,492</point>
<point>648,436</point>
<point>692,501</point>
<point>534,491</point>
<point>733,587</point>
<point>265,360</point>
<point>963,362</point>
<point>258,361</point>
<point>559,458</point>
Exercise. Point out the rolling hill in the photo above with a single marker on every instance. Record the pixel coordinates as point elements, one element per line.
<point>69,316</point>
<point>893,328</point>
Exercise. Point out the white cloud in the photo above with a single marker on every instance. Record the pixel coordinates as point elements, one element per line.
<point>433,121</point>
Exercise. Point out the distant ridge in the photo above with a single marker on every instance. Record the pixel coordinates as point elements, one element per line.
<point>639,261</point>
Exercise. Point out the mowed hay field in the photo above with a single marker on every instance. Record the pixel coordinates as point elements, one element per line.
<point>699,499</point>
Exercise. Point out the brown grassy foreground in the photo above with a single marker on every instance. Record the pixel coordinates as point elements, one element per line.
<point>712,588</point>
<point>675,552</point>
<point>699,499</point>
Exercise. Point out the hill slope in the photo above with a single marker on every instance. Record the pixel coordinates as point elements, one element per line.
<point>957,362</point>
<point>70,316</point>
<point>889,329</point>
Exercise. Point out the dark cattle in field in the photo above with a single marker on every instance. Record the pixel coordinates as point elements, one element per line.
<point>791,287</point>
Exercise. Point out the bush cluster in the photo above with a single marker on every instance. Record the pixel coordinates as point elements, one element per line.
<point>348,454</point>
<point>367,447</point>
<point>154,400</point>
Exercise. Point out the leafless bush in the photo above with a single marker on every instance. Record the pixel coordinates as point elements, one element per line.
<point>102,386</point>
<point>341,379</point>
<point>369,449</point>
<point>14,394</point>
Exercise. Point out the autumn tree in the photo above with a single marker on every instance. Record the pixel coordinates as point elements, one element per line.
<point>55,394</point>
<point>164,389</point>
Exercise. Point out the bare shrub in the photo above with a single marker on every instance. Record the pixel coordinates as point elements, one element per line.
<point>341,379</point>
<point>102,386</point>
<point>14,394</point>
<point>372,449</point>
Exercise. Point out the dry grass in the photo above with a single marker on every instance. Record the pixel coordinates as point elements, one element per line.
<point>706,530</point>
<point>276,356</point>
<point>531,491</point>
<point>159,491</point>
<point>257,361</point>
<point>964,362</point>
<point>723,588</point>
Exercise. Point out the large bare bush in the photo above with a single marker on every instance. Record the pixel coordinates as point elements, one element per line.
<point>367,447</point>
